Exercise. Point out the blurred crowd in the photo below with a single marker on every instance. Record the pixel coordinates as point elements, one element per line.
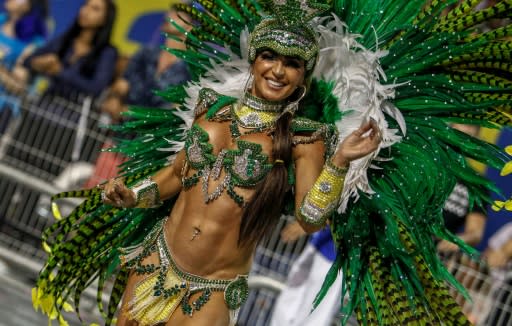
<point>78,64</point>
<point>82,59</point>
<point>82,63</point>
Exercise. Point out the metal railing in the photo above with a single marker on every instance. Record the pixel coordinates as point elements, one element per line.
<point>48,143</point>
<point>271,265</point>
<point>490,292</point>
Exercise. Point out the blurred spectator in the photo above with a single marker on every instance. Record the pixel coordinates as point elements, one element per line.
<point>82,60</point>
<point>22,27</point>
<point>79,64</point>
<point>459,219</point>
<point>150,69</point>
<point>498,256</point>
<point>468,223</point>
<point>307,274</point>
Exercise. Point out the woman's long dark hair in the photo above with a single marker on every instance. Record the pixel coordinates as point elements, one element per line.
<point>100,41</point>
<point>33,24</point>
<point>262,213</point>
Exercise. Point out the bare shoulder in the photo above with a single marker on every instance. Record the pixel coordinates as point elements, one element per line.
<point>211,103</point>
<point>312,138</point>
<point>304,147</point>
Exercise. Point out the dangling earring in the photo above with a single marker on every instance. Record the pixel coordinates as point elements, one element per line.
<point>247,86</point>
<point>304,91</point>
<point>248,82</point>
<point>293,106</point>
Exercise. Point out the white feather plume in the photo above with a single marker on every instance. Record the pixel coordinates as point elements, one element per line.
<point>356,74</point>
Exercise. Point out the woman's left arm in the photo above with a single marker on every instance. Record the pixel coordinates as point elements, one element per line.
<point>319,184</point>
<point>309,160</point>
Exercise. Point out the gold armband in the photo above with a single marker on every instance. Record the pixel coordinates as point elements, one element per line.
<point>323,198</point>
<point>147,194</point>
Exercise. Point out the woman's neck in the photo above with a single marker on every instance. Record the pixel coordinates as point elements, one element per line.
<point>259,104</point>
<point>86,36</point>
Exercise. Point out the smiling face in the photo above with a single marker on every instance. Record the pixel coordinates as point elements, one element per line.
<point>276,76</point>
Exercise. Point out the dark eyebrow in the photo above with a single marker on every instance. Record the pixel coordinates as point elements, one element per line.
<point>267,50</point>
<point>295,60</point>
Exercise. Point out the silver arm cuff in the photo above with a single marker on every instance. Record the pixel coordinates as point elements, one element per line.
<point>147,194</point>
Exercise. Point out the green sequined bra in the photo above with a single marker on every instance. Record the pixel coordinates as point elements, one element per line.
<point>244,166</point>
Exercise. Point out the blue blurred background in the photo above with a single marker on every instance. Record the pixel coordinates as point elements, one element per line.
<point>137,21</point>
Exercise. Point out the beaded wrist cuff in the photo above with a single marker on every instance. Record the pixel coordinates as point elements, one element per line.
<point>147,194</point>
<point>335,170</point>
<point>322,199</point>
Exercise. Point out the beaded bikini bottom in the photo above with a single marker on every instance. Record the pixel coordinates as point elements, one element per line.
<point>157,296</point>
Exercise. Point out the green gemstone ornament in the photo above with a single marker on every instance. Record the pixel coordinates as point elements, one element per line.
<point>236,293</point>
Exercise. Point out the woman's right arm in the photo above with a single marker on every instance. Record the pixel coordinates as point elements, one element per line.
<point>166,183</point>
<point>169,178</point>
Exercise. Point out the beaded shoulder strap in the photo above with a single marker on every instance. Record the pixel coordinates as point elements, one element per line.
<point>307,131</point>
<point>211,102</point>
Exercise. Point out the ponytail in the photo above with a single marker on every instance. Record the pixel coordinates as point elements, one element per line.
<point>264,209</point>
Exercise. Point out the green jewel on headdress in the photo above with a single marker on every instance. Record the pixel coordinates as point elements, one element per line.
<point>287,31</point>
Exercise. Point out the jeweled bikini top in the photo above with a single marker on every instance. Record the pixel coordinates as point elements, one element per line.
<point>245,165</point>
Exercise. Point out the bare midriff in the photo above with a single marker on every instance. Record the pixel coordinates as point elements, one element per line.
<point>214,252</point>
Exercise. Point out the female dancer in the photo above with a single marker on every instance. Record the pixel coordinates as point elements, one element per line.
<point>242,153</point>
<point>246,152</point>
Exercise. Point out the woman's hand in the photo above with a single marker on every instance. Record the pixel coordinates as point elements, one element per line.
<point>114,106</point>
<point>292,232</point>
<point>47,64</point>
<point>116,193</point>
<point>496,258</point>
<point>357,144</point>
